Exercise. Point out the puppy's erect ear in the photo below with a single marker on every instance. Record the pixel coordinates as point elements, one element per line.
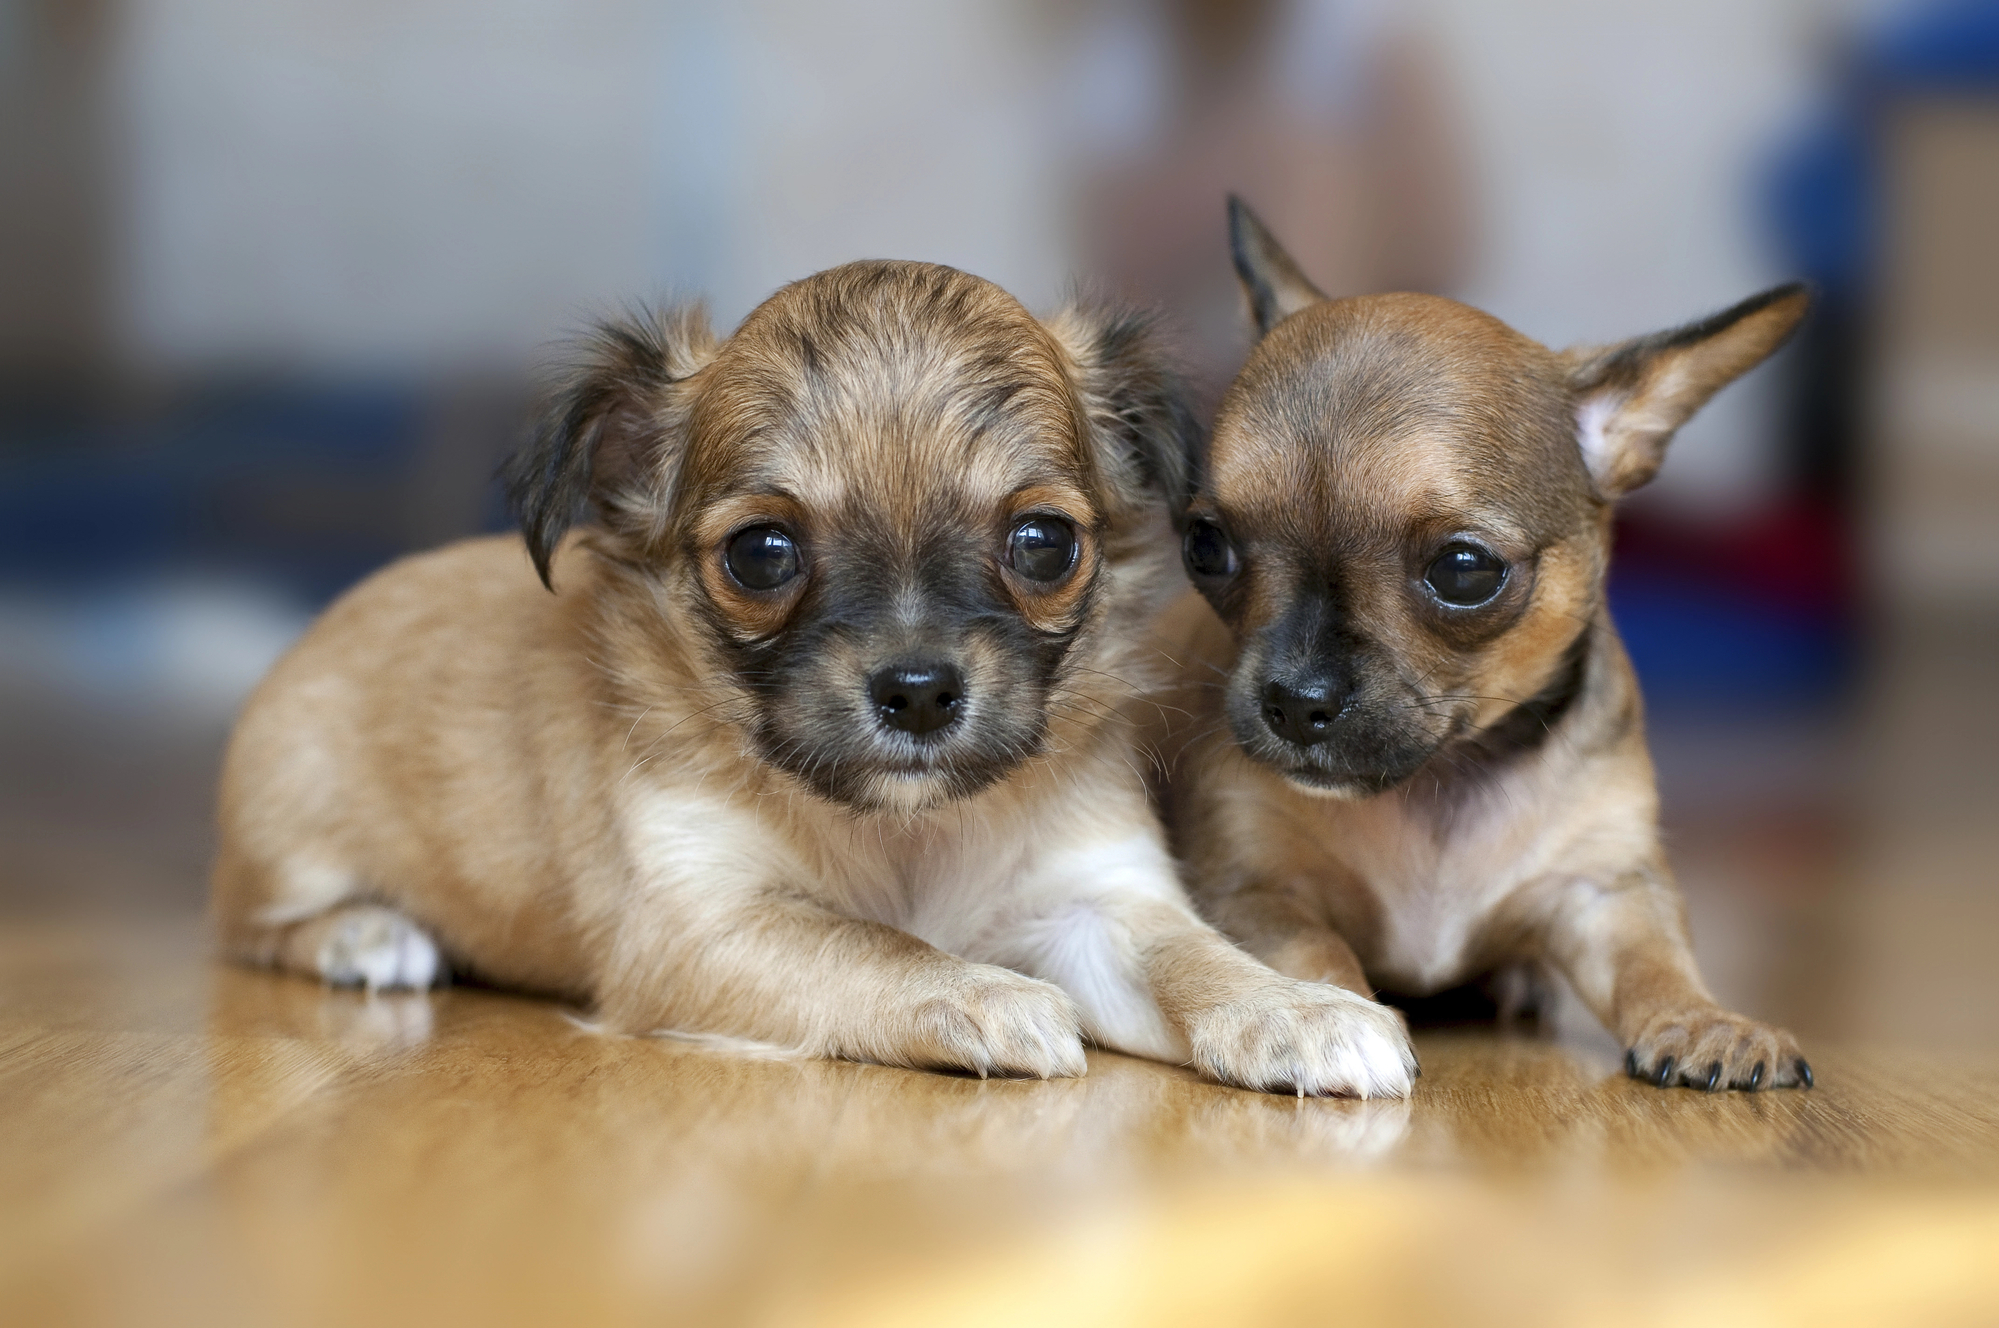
<point>1272,280</point>
<point>1134,400</point>
<point>1631,398</point>
<point>609,440</point>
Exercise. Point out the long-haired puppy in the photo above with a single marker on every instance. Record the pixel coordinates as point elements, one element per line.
<point>823,738</point>
<point>1417,753</point>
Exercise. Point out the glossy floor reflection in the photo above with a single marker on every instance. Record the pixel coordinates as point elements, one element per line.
<point>193,1143</point>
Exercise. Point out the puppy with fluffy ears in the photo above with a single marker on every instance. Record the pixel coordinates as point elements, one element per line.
<point>1417,753</point>
<point>823,738</point>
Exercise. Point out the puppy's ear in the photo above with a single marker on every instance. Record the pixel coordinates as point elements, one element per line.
<point>609,441</point>
<point>1134,401</point>
<point>1272,280</point>
<point>1631,398</point>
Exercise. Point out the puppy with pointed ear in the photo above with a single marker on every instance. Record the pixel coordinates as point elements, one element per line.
<point>1416,753</point>
<point>824,737</point>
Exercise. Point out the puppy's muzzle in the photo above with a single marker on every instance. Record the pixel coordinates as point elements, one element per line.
<point>919,698</point>
<point>1302,711</point>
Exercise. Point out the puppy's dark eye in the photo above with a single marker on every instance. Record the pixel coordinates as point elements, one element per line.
<point>761,558</point>
<point>1042,548</point>
<point>1208,553</point>
<point>1464,574</point>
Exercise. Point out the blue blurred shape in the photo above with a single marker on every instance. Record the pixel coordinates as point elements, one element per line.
<point>301,483</point>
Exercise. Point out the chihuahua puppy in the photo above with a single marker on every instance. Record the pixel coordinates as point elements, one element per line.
<point>823,738</point>
<point>1417,753</point>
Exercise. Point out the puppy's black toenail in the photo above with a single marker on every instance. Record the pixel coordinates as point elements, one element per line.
<point>1805,1071</point>
<point>1665,1075</point>
<point>1713,1077</point>
<point>1756,1077</point>
<point>1631,1062</point>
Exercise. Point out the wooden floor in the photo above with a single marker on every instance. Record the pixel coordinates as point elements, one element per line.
<point>186,1143</point>
<point>190,1143</point>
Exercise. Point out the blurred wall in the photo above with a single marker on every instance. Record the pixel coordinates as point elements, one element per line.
<point>397,187</point>
<point>57,200</point>
<point>1617,149</point>
<point>1934,474</point>
<point>419,186</point>
<point>430,182</point>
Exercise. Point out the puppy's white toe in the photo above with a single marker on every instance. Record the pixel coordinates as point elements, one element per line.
<point>377,948</point>
<point>992,1021</point>
<point>1374,1060</point>
<point>1306,1038</point>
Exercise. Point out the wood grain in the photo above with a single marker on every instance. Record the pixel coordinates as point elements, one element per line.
<point>192,1143</point>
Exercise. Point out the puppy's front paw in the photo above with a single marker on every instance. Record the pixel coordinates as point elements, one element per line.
<point>1305,1037</point>
<point>993,1021</point>
<point>1709,1048</point>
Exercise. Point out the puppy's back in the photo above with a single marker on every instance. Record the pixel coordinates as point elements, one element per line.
<point>345,776</point>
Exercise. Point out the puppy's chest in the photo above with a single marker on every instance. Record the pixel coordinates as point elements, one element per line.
<point>942,887</point>
<point>1432,889</point>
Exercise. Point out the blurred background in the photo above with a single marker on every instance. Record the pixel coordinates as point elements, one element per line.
<point>275,276</point>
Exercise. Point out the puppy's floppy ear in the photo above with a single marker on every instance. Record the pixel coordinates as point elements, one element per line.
<point>609,439</point>
<point>1631,398</point>
<point>1134,400</point>
<point>1270,277</point>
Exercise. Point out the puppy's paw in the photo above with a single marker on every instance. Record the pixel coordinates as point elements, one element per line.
<point>991,1021</point>
<point>365,945</point>
<point>1305,1037</point>
<point>1709,1048</point>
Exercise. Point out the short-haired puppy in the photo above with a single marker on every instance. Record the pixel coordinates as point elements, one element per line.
<point>1418,753</point>
<point>823,738</point>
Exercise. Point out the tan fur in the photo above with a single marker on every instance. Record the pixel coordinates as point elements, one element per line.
<point>578,793</point>
<point>1362,434</point>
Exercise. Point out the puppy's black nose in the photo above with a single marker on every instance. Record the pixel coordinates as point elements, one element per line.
<point>1303,712</point>
<point>918,698</point>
